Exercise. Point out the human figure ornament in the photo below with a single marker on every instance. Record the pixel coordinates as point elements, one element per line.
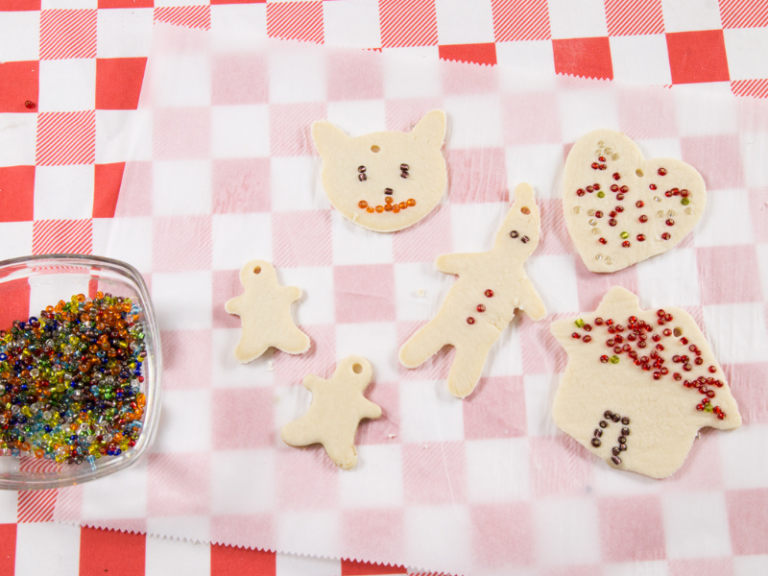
<point>490,287</point>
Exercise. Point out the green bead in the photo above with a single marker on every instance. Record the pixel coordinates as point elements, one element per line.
<point>601,194</point>
<point>708,408</point>
<point>685,201</point>
<point>614,359</point>
<point>624,235</point>
<point>579,323</point>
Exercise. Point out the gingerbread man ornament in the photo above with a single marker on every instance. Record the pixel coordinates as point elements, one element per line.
<point>265,311</point>
<point>490,287</point>
<point>337,407</point>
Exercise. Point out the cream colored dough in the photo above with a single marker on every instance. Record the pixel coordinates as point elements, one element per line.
<point>663,414</point>
<point>382,154</point>
<point>265,312</point>
<point>621,157</point>
<point>337,407</point>
<point>500,271</point>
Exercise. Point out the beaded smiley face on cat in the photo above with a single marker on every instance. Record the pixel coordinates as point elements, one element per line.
<point>384,181</point>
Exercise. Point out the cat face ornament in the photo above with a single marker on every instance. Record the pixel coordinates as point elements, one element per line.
<point>384,181</point>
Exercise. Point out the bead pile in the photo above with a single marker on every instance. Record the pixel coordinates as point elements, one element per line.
<point>70,381</point>
<point>639,334</point>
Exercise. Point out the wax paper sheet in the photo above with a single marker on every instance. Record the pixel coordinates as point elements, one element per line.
<point>223,170</point>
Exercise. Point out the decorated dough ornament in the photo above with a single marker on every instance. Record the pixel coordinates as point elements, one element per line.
<point>639,384</point>
<point>621,208</point>
<point>337,407</point>
<point>265,311</point>
<point>384,181</point>
<point>490,287</point>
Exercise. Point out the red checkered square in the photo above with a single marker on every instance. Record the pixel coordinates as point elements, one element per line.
<point>523,114</point>
<point>118,83</point>
<point>425,242</point>
<point>559,466</point>
<point>702,567</point>
<point>476,175</point>
<point>748,383</point>
<point>229,560</point>
<point>541,353</point>
<point>719,262</point>
<point>293,466</point>
<point>186,16</point>
<point>66,138</point>
<point>226,285</point>
<point>17,193</point>
<point>758,199</point>
<point>296,21</point>
<point>718,158</point>
<point>172,239</point>
<point>7,548</point>
<point>697,57</point>
<point>186,359</point>
<point>241,530</point>
<point>435,475</point>
<point>748,521</point>
<point>137,177</point>
<point>15,298</point>
<point>17,5</point>
<point>239,79</point>
<point>386,395</point>
<point>241,185</point>
<point>496,409</point>
<point>67,34</point>
<point>126,3</point>
<point>556,239</point>
<point>352,568</point>
<point>584,57</point>
<point>647,112</point>
<point>593,287</point>
<point>242,419</point>
<point>408,23</point>
<point>404,113</point>
<point>172,477</point>
<point>19,84</point>
<point>36,505</point>
<point>70,236</point>
<point>503,535</point>
<point>301,239</point>
<point>639,520</point>
<point>222,2</point>
<point>111,552</point>
<point>702,468</point>
<point>744,13</point>
<point>182,133</point>
<point>290,125</point>
<point>472,53</point>
<point>633,17</point>
<point>320,359</point>
<point>354,75</point>
<point>389,527</point>
<point>364,293</point>
<point>461,79</point>
<point>436,367</point>
<point>520,20</point>
<point>107,179</point>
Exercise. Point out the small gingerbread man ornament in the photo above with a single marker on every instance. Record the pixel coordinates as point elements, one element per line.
<point>337,407</point>
<point>490,287</point>
<point>265,311</point>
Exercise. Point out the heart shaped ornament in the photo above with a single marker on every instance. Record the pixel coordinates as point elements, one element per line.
<point>620,208</point>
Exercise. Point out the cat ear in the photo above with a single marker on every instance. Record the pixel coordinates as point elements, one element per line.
<point>327,137</point>
<point>431,128</point>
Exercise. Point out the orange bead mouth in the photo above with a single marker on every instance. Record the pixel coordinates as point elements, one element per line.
<point>389,206</point>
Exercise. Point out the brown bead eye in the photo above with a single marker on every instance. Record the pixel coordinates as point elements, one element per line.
<point>513,234</point>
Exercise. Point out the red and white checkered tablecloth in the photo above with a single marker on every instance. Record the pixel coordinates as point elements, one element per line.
<point>80,64</point>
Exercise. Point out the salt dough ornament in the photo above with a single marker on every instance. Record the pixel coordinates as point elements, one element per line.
<point>490,287</point>
<point>265,312</point>
<point>384,181</point>
<point>337,407</point>
<point>620,208</point>
<point>639,385</point>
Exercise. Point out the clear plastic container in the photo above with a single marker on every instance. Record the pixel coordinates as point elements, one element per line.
<point>43,281</point>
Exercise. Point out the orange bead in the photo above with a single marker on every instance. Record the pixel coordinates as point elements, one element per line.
<point>369,209</point>
<point>402,205</point>
<point>379,208</point>
<point>362,204</point>
<point>388,207</point>
<point>411,202</point>
<point>388,200</point>
<point>396,208</point>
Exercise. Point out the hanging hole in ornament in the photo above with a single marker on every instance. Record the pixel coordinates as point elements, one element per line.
<point>525,210</point>
<point>257,270</point>
<point>357,368</point>
<point>375,149</point>
<point>677,332</point>
<point>639,173</point>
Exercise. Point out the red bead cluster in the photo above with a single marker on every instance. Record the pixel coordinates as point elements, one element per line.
<point>632,340</point>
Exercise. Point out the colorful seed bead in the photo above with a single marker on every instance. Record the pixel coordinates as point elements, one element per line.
<point>410,202</point>
<point>587,338</point>
<point>643,218</point>
<point>470,320</point>
<point>614,187</point>
<point>612,222</point>
<point>603,241</point>
<point>662,171</point>
<point>575,336</point>
<point>685,201</point>
<point>652,186</point>
<point>625,244</point>
<point>614,359</point>
<point>489,293</point>
<point>624,235</point>
<point>666,236</point>
<point>362,204</point>
<point>624,189</point>
<point>370,210</point>
<point>380,208</point>
<point>670,222</point>
<point>604,359</point>
<point>580,192</point>
<point>579,323</point>
<point>601,194</point>
<point>639,203</point>
<point>481,308</point>
<point>641,237</point>
<point>616,176</point>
